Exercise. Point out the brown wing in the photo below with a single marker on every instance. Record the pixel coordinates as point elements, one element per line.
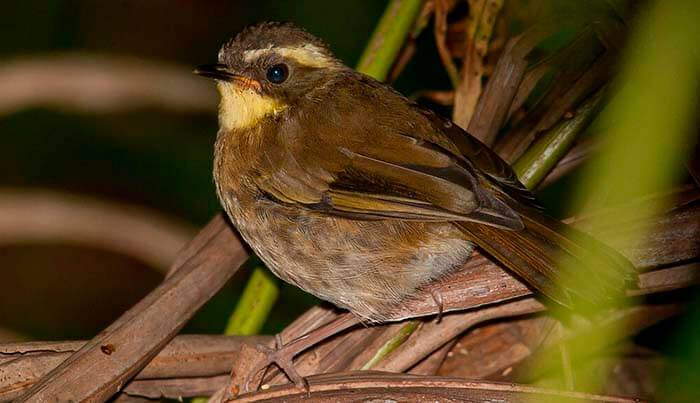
<point>376,183</point>
<point>377,164</point>
<point>478,154</point>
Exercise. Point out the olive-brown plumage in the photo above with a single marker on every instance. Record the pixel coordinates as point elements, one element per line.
<point>358,195</point>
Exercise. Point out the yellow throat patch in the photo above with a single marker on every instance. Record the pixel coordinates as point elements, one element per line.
<point>243,108</point>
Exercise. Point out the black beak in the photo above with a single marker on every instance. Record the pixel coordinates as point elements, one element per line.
<point>222,72</point>
<point>215,71</point>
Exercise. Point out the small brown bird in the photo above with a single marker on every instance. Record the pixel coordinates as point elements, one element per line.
<point>352,192</point>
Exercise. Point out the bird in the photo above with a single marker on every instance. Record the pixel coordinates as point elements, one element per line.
<point>358,195</point>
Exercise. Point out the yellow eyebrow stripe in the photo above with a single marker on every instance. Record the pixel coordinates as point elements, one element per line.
<point>307,55</point>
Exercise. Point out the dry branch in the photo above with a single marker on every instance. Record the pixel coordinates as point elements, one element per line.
<point>175,388</point>
<point>479,27</point>
<point>629,321</point>
<point>186,356</point>
<point>442,9</point>
<point>48,216</point>
<point>101,84</point>
<point>432,363</point>
<point>500,90</point>
<point>504,351</point>
<point>371,385</point>
<point>211,257</point>
<point>100,368</point>
<point>489,350</point>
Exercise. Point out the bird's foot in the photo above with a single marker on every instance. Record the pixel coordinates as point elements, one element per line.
<point>437,298</point>
<point>282,357</point>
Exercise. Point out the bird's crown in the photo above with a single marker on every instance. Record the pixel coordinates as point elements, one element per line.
<point>281,38</point>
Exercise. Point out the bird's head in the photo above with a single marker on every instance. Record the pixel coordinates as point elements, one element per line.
<point>265,69</point>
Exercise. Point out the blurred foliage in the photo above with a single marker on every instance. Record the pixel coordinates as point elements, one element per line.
<point>649,127</point>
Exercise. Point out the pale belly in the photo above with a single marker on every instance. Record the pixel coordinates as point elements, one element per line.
<point>368,267</point>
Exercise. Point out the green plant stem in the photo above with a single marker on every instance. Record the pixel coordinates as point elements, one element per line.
<point>255,304</point>
<point>391,345</point>
<point>544,154</point>
<point>389,37</point>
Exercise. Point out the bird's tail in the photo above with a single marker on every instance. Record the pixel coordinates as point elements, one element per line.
<point>566,265</point>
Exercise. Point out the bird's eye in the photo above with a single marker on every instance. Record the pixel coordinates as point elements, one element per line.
<point>277,73</point>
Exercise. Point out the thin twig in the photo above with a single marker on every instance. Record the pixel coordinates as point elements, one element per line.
<point>442,8</point>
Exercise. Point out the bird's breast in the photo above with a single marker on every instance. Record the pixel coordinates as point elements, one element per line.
<point>367,267</point>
